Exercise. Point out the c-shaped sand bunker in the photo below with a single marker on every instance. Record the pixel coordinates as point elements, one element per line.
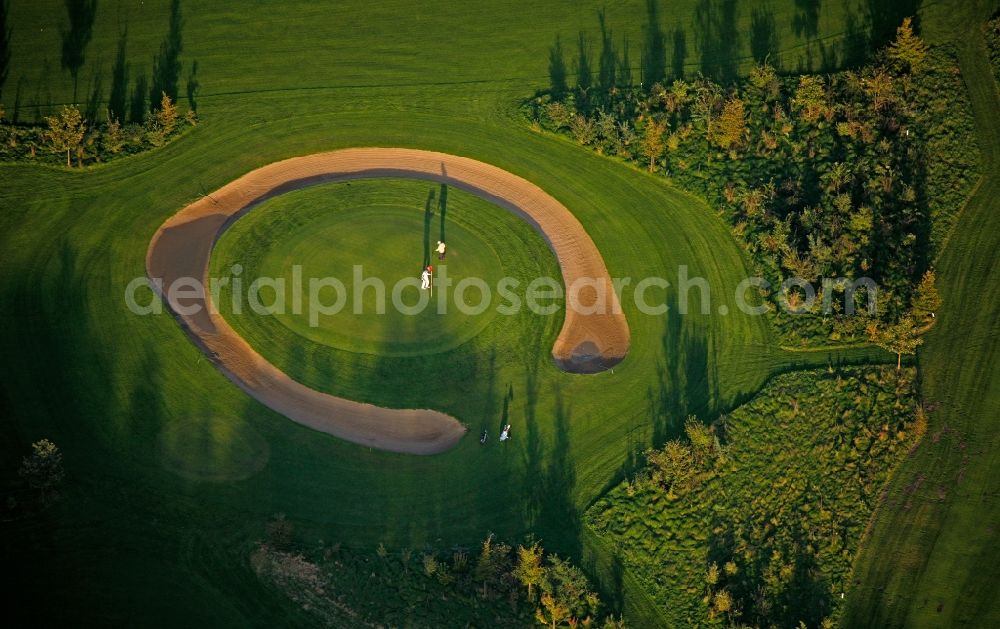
<point>594,335</point>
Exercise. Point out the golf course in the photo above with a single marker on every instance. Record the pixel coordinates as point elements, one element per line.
<point>266,458</point>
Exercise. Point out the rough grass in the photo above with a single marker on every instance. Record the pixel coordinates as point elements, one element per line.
<point>786,501</point>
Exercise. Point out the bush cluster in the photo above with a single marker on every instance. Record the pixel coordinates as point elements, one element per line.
<point>70,140</point>
<point>756,518</point>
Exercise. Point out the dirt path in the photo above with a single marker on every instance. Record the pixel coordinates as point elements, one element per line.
<point>594,336</point>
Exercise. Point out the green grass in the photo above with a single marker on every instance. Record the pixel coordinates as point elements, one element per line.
<point>253,51</point>
<point>388,228</point>
<point>155,534</point>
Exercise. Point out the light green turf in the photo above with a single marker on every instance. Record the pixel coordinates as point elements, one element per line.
<point>144,536</point>
<point>389,229</point>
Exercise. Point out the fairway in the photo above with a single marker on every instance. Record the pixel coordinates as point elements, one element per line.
<point>330,136</point>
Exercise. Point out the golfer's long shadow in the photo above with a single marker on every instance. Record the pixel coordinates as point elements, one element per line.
<point>443,208</point>
<point>428,219</point>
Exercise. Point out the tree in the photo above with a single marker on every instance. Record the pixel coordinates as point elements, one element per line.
<point>908,52</point>
<point>113,138</point>
<point>551,613</point>
<point>65,131</point>
<point>672,466</point>
<point>569,593</point>
<point>701,438</point>
<point>557,71</point>
<point>493,563</point>
<point>723,602</point>
<point>559,114</point>
<point>810,98</point>
<point>43,469</point>
<point>926,300</point>
<point>583,129</point>
<point>583,74</point>
<point>529,570</point>
<point>877,84</point>
<point>731,125</point>
<point>899,338</point>
<point>608,62</point>
<point>166,116</point>
<point>652,141</point>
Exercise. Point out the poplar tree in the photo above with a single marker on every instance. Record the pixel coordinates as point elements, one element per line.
<point>65,131</point>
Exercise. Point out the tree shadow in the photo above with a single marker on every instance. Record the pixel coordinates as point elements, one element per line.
<point>607,66</point>
<point>18,91</point>
<point>584,73</point>
<point>532,451</point>
<point>854,45</point>
<point>685,385</point>
<point>428,220</point>
<point>76,36</point>
<point>654,49</point>
<point>557,71</point>
<point>763,35</point>
<point>558,519</point>
<point>118,98</point>
<point>624,77</point>
<point>805,21</point>
<point>137,106</point>
<point>96,98</point>
<point>505,410</point>
<point>680,52</point>
<point>167,64</point>
<point>718,38</point>
<point>192,86</point>
<point>443,209</point>
<point>6,32</point>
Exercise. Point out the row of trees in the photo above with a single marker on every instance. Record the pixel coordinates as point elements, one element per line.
<point>535,584</point>
<point>69,135</point>
<point>820,176</point>
<point>100,132</point>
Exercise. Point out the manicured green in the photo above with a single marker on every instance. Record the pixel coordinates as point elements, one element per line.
<point>172,471</point>
<point>389,229</point>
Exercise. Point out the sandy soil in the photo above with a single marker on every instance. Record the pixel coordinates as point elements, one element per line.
<point>183,245</point>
